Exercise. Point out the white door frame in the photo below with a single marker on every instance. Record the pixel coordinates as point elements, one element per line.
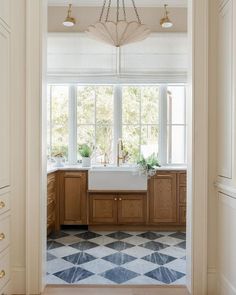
<point>198,147</point>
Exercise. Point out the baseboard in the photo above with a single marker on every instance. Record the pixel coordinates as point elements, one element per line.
<point>225,286</point>
<point>18,280</point>
<point>212,281</point>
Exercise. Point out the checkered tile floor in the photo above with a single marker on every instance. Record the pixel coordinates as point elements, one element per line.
<point>127,258</point>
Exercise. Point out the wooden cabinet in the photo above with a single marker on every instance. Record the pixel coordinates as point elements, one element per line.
<point>103,209</point>
<point>163,198</point>
<point>132,208</point>
<point>73,197</point>
<point>117,208</point>
<point>52,203</point>
<point>182,196</point>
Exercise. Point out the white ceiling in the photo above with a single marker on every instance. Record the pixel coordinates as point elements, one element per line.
<point>140,3</point>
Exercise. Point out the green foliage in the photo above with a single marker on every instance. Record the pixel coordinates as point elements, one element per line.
<point>150,163</point>
<point>85,150</point>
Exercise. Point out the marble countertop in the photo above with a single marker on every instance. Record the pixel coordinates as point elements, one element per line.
<point>51,169</point>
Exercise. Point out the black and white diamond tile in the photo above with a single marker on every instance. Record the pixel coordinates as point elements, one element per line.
<point>115,257</point>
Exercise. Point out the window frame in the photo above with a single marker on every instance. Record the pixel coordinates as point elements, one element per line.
<point>117,118</point>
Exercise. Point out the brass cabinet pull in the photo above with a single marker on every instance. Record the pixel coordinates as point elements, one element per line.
<point>2,205</point>
<point>2,274</point>
<point>115,199</point>
<point>2,236</point>
<point>120,199</point>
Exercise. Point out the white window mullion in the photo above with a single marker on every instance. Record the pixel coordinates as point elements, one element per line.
<point>72,149</point>
<point>117,118</point>
<point>163,125</point>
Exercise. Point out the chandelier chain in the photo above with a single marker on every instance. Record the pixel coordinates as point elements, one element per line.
<point>124,11</point>
<point>118,11</point>
<point>136,12</point>
<point>102,11</point>
<point>108,10</point>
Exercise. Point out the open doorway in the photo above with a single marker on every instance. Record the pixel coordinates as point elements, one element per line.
<point>132,230</point>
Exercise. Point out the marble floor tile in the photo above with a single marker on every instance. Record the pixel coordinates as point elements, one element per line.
<point>82,257</point>
<point>57,265</point>
<point>140,266</point>
<point>173,251</point>
<point>63,251</point>
<point>169,240</point>
<point>98,266</point>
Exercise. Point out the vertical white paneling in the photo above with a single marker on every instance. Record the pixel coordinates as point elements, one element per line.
<point>225,93</point>
<point>4,108</point>
<point>5,11</point>
<point>227,245</point>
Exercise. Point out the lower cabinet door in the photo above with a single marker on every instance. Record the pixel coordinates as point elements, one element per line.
<point>73,198</point>
<point>103,209</point>
<point>163,199</point>
<point>132,209</point>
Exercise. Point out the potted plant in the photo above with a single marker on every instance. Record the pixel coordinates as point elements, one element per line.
<point>147,166</point>
<point>85,151</point>
<point>58,158</point>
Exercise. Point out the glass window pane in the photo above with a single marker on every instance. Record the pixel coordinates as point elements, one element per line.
<point>86,134</point>
<point>60,105</point>
<point>150,105</point>
<point>177,146</point>
<point>131,105</point>
<point>104,105</point>
<point>149,140</point>
<point>86,105</point>
<point>104,143</point>
<point>131,140</point>
<point>176,104</point>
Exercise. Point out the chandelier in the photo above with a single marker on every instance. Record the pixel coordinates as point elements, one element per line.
<point>118,32</point>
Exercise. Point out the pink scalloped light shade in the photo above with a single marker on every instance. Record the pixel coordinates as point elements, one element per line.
<point>118,34</point>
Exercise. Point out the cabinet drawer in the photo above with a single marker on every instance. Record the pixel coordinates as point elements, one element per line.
<point>182,194</point>
<point>182,215</point>
<point>182,178</point>
<point>4,232</point>
<point>4,202</point>
<point>4,268</point>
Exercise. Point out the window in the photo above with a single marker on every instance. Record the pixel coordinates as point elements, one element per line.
<point>95,119</point>
<point>58,119</point>
<point>148,118</point>
<point>140,108</point>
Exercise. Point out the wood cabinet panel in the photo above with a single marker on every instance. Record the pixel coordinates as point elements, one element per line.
<point>52,203</point>
<point>4,108</point>
<point>73,198</point>
<point>182,194</point>
<point>132,209</point>
<point>163,198</point>
<point>182,215</point>
<point>103,208</point>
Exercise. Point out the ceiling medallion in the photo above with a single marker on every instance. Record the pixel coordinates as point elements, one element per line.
<point>118,32</point>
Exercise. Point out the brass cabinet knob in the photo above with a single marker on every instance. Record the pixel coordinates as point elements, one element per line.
<point>2,236</point>
<point>120,199</point>
<point>2,274</point>
<point>2,204</point>
<point>115,199</point>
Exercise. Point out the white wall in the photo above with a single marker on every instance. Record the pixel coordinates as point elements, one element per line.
<point>86,16</point>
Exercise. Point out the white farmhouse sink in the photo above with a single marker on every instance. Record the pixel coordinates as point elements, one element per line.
<point>116,179</point>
